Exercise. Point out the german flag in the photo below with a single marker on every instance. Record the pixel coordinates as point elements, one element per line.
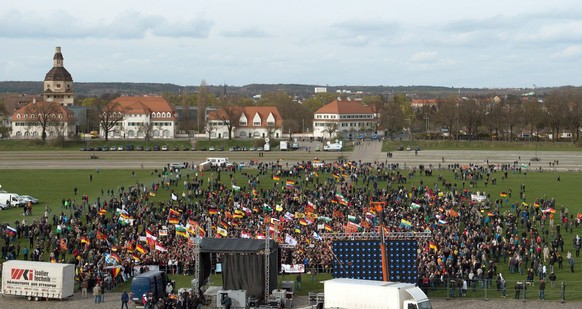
<point>173,220</point>
<point>173,213</point>
<point>433,246</point>
<point>303,222</point>
<point>276,178</point>
<point>102,212</point>
<point>135,257</point>
<point>328,227</point>
<point>101,236</point>
<point>85,240</point>
<point>140,248</point>
<point>212,211</point>
<point>223,224</point>
<point>129,247</point>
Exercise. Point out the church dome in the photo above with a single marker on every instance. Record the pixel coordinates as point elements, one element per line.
<point>58,74</point>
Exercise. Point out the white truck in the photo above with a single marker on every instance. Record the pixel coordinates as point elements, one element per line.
<point>337,146</point>
<point>367,294</point>
<point>284,145</point>
<point>36,280</point>
<point>11,199</point>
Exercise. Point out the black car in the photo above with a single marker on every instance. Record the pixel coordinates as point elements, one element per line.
<point>400,148</point>
<point>175,148</point>
<point>156,147</point>
<point>185,148</point>
<point>129,147</point>
<point>148,148</point>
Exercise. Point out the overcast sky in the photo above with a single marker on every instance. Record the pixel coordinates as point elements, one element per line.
<point>493,43</point>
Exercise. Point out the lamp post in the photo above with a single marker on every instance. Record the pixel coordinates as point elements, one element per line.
<point>427,119</point>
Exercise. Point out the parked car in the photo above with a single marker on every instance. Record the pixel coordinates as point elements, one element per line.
<point>220,148</point>
<point>165,148</point>
<point>105,148</point>
<point>139,148</point>
<point>400,148</point>
<point>156,147</point>
<point>147,148</point>
<point>185,148</point>
<point>113,148</point>
<point>177,165</point>
<point>97,148</point>
<point>252,149</point>
<point>175,148</point>
<point>28,198</point>
<point>83,148</point>
<point>211,148</point>
<point>129,147</point>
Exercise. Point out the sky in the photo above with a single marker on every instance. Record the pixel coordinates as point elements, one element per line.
<point>477,44</point>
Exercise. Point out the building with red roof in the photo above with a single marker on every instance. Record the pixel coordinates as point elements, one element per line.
<point>141,117</point>
<point>343,117</point>
<point>246,122</point>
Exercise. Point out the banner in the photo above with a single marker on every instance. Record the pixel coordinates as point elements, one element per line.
<point>293,269</point>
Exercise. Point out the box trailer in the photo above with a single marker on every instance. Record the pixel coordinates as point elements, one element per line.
<point>367,294</point>
<point>36,280</point>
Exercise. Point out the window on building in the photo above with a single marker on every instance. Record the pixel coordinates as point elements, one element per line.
<point>257,123</point>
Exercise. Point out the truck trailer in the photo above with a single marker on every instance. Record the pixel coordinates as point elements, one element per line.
<point>367,294</point>
<point>38,280</point>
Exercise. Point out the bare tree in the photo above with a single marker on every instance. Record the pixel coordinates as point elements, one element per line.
<point>331,128</point>
<point>230,116</point>
<point>202,102</point>
<point>557,110</point>
<point>209,129</point>
<point>43,113</point>
<point>448,115</point>
<point>471,116</point>
<point>110,115</point>
<point>533,115</point>
<point>147,128</point>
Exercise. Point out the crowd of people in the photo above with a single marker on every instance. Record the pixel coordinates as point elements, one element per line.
<point>110,236</point>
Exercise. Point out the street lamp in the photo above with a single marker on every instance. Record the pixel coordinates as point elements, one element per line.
<point>427,119</point>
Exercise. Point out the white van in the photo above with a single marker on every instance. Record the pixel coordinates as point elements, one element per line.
<point>218,162</point>
<point>11,199</point>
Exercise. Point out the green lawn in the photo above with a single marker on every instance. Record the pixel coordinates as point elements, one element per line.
<point>51,186</point>
<point>481,145</point>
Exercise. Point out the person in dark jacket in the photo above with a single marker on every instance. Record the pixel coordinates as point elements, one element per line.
<point>124,299</point>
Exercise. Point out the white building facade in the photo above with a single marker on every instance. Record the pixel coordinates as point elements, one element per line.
<point>342,118</point>
<point>253,122</point>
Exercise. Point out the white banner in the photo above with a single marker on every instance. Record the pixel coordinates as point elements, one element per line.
<point>293,269</point>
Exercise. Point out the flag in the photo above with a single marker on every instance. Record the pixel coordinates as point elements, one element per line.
<point>101,236</point>
<point>289,183</point>
<point>159,247</point>
<point>324,219</point>
<point>173,220</point>
<point>245,234</point>
<point>212,211</point>
<point>433,246</point>
<point>453,213</point>
<point>102,212</point>
<point>267,208</point>
<point>327,227</point>
<point>276,178</point>
<point>235,188</point>
<point>174,197</point>
<point>290,240</point>
<point>152,193</point>
<point>116,257</point>
<point>85,240</point>
<point>414,206</point>
<point>129,247</point>
<point>135,257</point>
<point>316,236</point>
<point>297,230</point>
<point>173,213</point>
<point>351,218</point>
<point>220,231</point>
<point>490,214</point>
<point>303,222</point>
<point>278,208</point>
<point>140,248</point>
<point>441,221</point>
<point>405,223</point>
<point>503,194</point>
<point>223,224</point>
<point>181,230</point>
<point>260,236</point>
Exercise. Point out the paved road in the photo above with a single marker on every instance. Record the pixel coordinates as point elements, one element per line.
<point>367,152</point>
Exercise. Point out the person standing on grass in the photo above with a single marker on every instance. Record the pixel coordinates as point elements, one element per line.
<point>97,293</point>
<point>542,289</point>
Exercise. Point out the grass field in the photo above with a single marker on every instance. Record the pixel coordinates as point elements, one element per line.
<point>51,186</point>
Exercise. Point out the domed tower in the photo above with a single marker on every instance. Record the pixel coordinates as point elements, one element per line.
<point>58,82</point>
